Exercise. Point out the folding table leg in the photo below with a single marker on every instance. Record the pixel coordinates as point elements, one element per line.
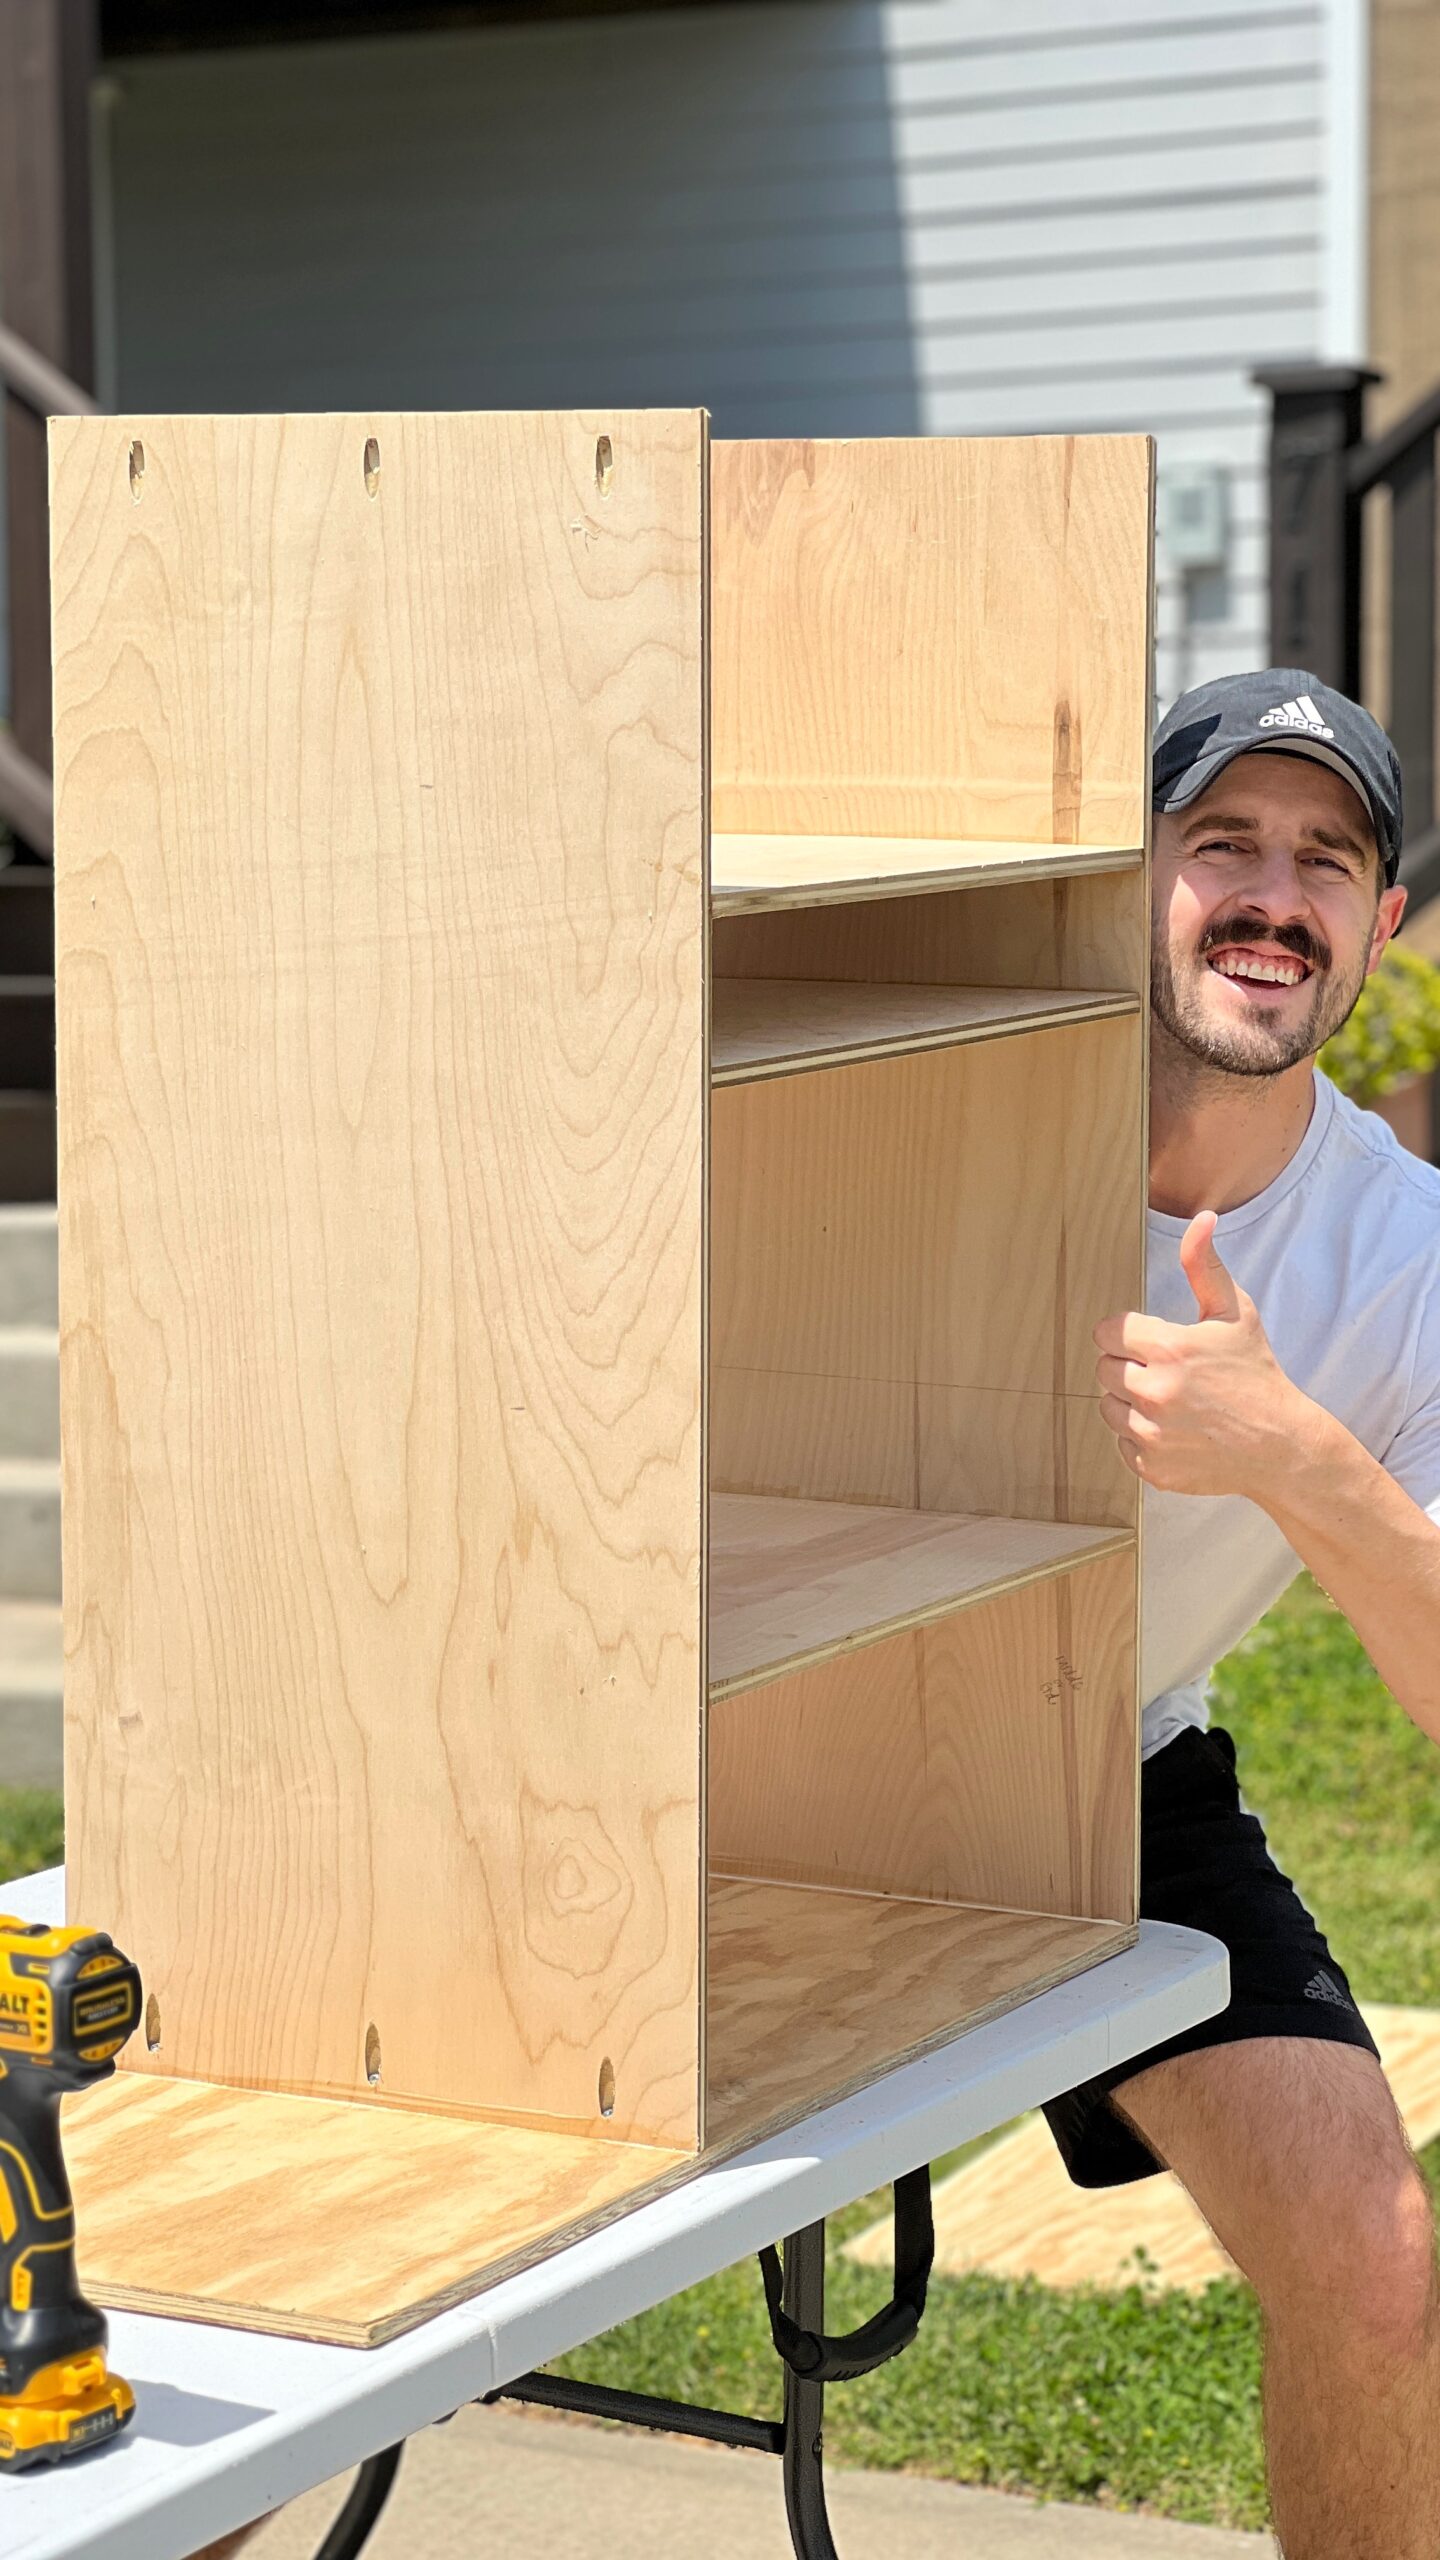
<point>360,2514</point>
<point>795,2294</point>
<point>802,2455</point>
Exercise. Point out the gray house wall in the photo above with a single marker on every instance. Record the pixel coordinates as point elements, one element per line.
<point>829,217</point>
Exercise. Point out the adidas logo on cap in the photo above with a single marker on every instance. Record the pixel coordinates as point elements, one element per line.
<point>1300,714</point>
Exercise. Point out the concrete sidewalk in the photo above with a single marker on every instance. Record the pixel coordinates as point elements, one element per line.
<point>495,2480</point>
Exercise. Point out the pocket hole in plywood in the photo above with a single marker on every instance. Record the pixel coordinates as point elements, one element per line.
<point>372,465</point>
<point>604,465</point>
<point>607,2087</point>
<point>137,468</point>
<point>372,2057</point>
<point>152,2023</point>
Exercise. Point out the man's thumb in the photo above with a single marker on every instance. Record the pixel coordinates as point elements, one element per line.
<point>1215,1291</point>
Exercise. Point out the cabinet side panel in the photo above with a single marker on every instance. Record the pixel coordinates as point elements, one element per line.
<point>380,795</point>
<point>933,636</point>
<point>941,1234</point>
<point>988,1758</point>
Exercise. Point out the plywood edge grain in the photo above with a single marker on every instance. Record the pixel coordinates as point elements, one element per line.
<point>765,1027</point>
<point>847,1889</point>
<point>321,2219</point>
<point>223,2312</point>
<point>817,1592</point>
<point>751,874</point>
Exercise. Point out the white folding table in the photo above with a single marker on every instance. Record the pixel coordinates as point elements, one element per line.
<point>230,2424</point>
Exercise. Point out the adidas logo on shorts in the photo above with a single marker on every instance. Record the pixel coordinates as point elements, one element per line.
<point>1299,714</point>
<point>1321,1987</point>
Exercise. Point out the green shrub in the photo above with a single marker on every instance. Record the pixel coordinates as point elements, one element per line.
<point>1394,1031</point>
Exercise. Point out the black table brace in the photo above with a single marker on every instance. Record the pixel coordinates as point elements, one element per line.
<point>795,2296</point>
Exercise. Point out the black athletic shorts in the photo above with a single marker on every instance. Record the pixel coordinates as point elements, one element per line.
<point>1204,1864</point>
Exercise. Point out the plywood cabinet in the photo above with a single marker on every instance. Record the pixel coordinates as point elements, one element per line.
<point>601,1083</point>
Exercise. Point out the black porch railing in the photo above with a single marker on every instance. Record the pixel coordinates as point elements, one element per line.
<point>26,797</point>
<point>1332,557</point>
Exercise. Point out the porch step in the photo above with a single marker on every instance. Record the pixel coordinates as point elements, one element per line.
<point>27,918</point>
<point>31,1683</point>
<point>27,1147</point>
<point>29,1391</point>
<point>27,1033</point>
<point>29,1265</point>
<point>29,1529</point>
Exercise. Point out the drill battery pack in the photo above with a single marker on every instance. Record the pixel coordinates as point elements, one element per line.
<point>64,2408</point>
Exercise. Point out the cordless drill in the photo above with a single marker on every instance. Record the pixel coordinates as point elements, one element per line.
<point>68,2001</point>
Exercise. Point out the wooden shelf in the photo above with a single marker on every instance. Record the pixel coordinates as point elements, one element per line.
<point>786,1026</point>
<point>812,1992</point>
<point>794,1582</point>
<point>750,874</point>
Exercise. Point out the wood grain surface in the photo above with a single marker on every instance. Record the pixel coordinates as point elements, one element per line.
<point>793,1583</point>
<point>1023,1455</point>
<point>933,636</point>
<point>939,1228</point>
<point>1086,932</point>
<point>755,874</point>
<point>322,2218</point>
<point>784,1026</point>
<point>383,1082</point>
<point>988,1757</point>
<point>351,2222</point>
<point>813,1993</point>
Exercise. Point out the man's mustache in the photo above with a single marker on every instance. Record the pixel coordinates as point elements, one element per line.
<point>1240,933</point>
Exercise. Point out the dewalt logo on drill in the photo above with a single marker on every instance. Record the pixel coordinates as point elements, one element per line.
<point>23,2015</point>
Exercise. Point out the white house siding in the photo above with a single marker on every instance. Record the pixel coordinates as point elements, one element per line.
<point>827,217</point>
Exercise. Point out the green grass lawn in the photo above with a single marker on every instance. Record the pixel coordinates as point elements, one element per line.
<point>1143,2398</point>
<point>1349,1791</point>
<point>31,1831</point>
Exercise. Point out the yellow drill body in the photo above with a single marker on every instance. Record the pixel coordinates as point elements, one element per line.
<point>68,2001</point>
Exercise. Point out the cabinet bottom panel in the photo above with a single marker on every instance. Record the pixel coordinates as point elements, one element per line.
<point>813,1992</point>
<point>341,2221</point>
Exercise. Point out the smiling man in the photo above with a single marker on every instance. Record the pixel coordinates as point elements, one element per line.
<point>1280,1403</point>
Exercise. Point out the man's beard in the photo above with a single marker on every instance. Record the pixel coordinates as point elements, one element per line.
<point>1261,1046</point>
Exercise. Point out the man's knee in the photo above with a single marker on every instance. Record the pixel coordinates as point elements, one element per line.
<point>1350,2254</point>
<point>1363,2252</point>
<point>1295,2153</point>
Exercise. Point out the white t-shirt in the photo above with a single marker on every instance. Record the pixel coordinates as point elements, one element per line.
<point>1342,1258</point>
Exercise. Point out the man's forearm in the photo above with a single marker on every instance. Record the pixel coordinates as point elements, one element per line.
<point>1206,1408</point>
<point>1376,1553</point>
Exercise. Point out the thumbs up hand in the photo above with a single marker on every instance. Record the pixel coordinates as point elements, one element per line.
<point>1215,1293</point>
<point>1203,1407</point>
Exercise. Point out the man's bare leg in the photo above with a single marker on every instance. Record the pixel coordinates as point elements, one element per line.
<point>1296,2156</point>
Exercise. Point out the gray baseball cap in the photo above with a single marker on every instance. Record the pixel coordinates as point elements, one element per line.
<point>1279,710</point>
